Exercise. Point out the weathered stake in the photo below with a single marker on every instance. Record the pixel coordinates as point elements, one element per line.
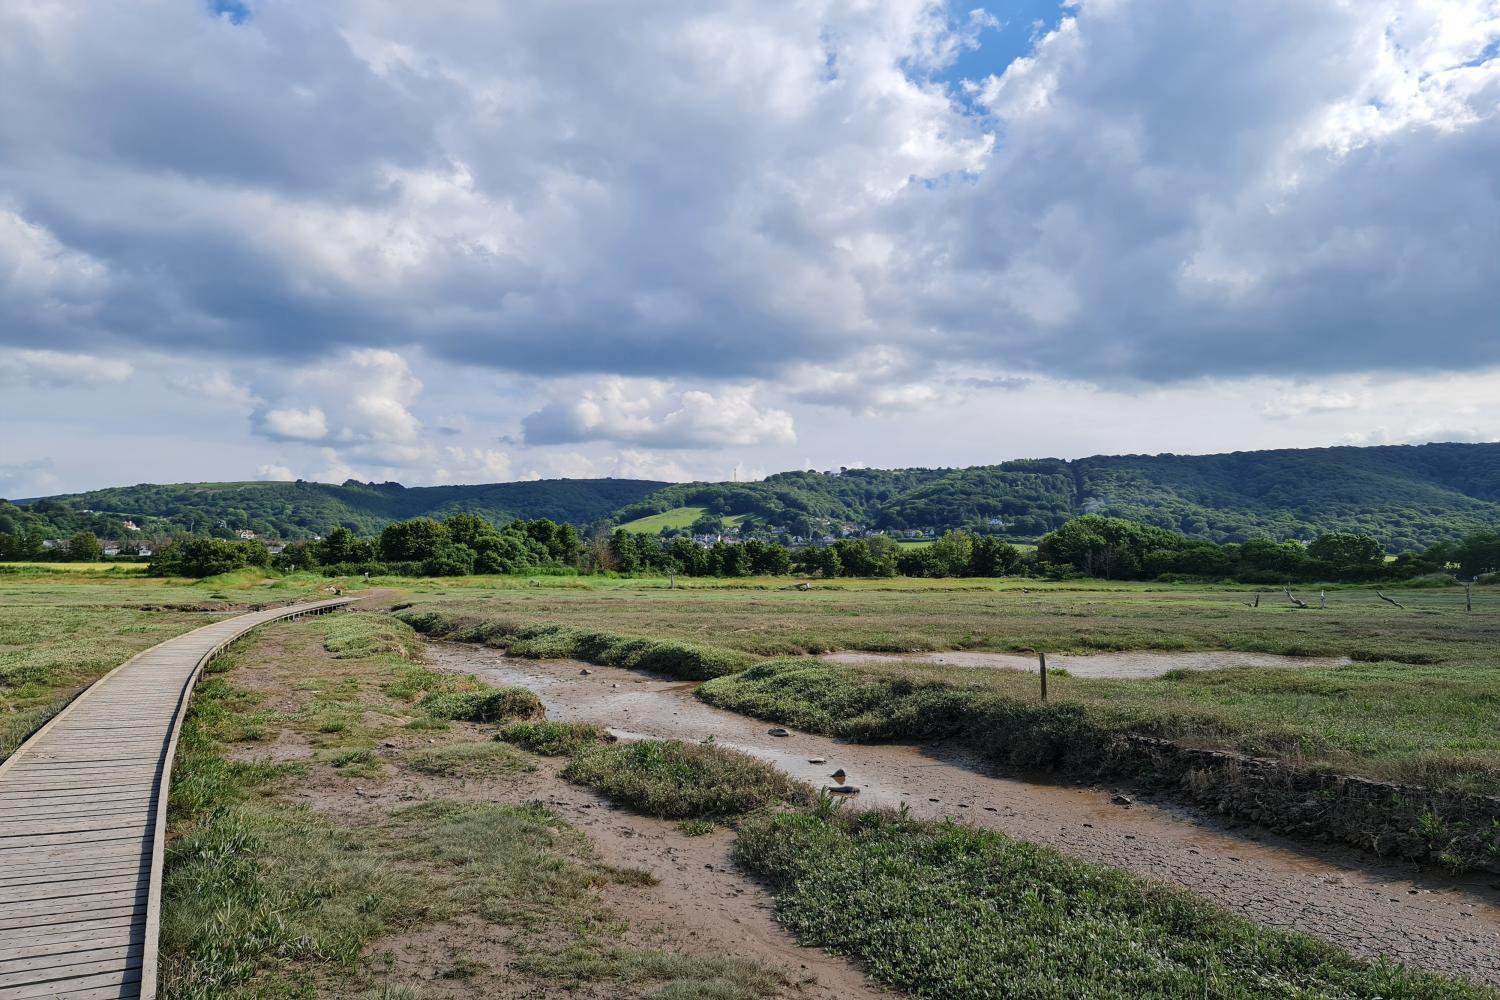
<point>1468,597</point>
<point>1042,666</point>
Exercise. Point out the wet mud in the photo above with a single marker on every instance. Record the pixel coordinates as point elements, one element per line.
<point>1421,918</point>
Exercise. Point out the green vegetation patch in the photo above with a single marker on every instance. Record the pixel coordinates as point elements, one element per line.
<point>546,641</point>
<point>1428,726</point>
<point>943,910</point>
<point>357,635</point>
<point>493,705</point>
<point>252,884</point>
<point>552,738</point>
<point>470,760</point>
<point>672,780</point>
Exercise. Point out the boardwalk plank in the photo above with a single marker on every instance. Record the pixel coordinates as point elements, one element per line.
<point>81,824</point>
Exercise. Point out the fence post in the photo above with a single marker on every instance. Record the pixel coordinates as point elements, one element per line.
<point>1042,668</point>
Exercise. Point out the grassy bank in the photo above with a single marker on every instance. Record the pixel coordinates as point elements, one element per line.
<point>1420,725</point>
<point>656,655</point>
<point>285,879</point>
<point>941,910</point>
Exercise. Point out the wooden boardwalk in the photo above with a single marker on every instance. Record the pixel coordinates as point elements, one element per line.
<point>83,824</point>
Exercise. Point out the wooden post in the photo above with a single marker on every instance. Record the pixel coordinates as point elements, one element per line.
<point>1468,597</point>
<point>673,584</point>
<point>1042,667</point>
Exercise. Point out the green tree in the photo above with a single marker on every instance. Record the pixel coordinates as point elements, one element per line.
<point>84,547</point>
<point>412,541</point>
<point>1345,548</point>
<point>344,546</point>
<point>449,559</point>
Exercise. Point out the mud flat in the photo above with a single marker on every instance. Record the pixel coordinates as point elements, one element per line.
<point>1131,665</point>
<point>1427,920</point>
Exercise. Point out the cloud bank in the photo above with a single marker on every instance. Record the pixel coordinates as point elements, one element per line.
<point>706,227</point>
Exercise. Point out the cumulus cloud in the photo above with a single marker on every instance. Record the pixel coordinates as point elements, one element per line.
<point>295,425</point>
<point>651,412</point>
<point>741,212</point>
<point>275,473</point>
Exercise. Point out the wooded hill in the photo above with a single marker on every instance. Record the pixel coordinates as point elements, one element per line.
<point>1408,497</point>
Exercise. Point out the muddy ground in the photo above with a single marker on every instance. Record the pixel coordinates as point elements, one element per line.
<point>699,905</point>
<point>1421,918</point>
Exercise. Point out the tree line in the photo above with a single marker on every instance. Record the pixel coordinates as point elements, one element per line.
<point>1089,546</point>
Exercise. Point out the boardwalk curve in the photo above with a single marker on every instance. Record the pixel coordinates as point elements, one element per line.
<point>83,823</point>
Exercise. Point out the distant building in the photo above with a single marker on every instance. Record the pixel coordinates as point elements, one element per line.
<point>52,543</point>
<point>112,549</point>
<point>245,534</point>
<point>129,526</point>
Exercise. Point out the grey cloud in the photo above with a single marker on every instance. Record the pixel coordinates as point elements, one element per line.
<point>1163,191</point>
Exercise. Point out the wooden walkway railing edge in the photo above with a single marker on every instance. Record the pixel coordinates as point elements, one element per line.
<point>151,951</point>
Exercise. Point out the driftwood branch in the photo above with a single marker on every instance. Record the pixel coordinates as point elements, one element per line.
<point>1389,600</point>
<point>1296,601</point>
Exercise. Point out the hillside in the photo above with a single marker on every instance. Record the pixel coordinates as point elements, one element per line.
<point>1406,496</point>
<point>303,509</point>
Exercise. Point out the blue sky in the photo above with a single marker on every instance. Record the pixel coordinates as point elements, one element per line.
<point>457,244</point>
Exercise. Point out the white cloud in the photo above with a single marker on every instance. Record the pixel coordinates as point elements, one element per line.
<point>754,225</point>
<point>61,368</point>
<point>654,413</point>
<point>302,425</point>
<point>275,473</point>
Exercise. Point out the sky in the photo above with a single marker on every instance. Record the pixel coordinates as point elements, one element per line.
<point>452,242</point>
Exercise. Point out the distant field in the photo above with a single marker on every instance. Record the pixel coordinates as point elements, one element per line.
<point>676,518</point>
<point>1418,705</point>
<point>74,567</point>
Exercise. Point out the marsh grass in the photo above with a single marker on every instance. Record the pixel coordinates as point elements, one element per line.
<point>267,899</point>
<point>252,884</point>
<point>491,705</point>
<point>945,910</point>
<point>552,738</point>
<point>1421,704</point>
<point>471,760</point>
<point>672,780</point>
<point>1422,725</point>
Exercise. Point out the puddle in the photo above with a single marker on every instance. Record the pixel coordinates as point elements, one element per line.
<point>1133,665</point>
<point>1426,920</point>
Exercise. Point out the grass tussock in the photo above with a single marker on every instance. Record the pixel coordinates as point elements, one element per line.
<point>944,910</point>
<point>359,635</point>
<point>551,738</point>
<point>470,760</point>
<point>672,780</point>
<point>491,705</point>
<point>671,657</point>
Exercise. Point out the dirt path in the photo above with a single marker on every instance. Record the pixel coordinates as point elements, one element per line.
<point>1422,919</point>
